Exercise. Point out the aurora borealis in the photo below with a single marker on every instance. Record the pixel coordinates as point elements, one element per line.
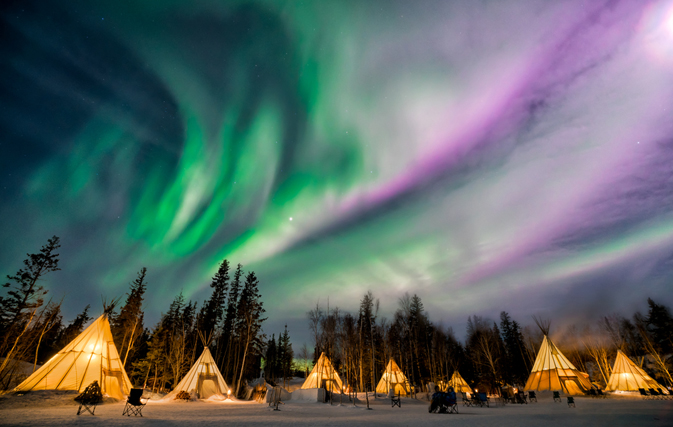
<point>486,155</point>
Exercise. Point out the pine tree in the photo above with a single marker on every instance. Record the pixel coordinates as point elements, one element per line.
<point>25,294</point>
<point>127,326</point>
<point>249,322</point>
<point>74,328</point>
<point>19,309</point>
<point>228,333</point>
<point>285,356</point>
<point>213,309</point>
<point>515,368</point>
<point>271,360</point>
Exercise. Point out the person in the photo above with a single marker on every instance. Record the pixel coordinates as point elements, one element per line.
<point>437,400</point>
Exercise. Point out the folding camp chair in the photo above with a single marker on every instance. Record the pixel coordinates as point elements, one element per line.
<point>571,401</point>
<point>644,393</point>
<point>466,400</point>
<point>655,394</point>
<point>134,404</point>
<point>396,401</point>
<point>89,398</point>
<point>557,397</point>
<point>532,397</point>
<point>483,399</point>
<point>601,394</point>
<point>521,398</point>
<point>592,392</point>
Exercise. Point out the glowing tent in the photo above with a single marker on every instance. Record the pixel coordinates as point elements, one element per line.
<point>323,375</point>
<point>91,356</point>
<point>204,378</point>
<point>627,376</point>
<point>459,384</point>
<point>394,378</point>
<point>552,371</point>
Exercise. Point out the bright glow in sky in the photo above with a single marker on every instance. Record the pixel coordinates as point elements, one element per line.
<point>510,155</point>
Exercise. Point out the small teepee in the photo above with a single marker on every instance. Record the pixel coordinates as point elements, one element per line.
<point>394,378</point>
<point>203,377</point>
<point>553,371</point>
<point>459,384</point>
<point>627,376</point>
<point>91,356</point>
<point>323,375</point>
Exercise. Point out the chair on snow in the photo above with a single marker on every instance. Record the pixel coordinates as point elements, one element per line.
<point>643,393</point>
<point>466,400</point>
<point>557,397</point>
<point>89,398</point>
<point>571,402</point>
<point>521,398</point>
<point>483,399</point>
<point>531,396</point>
<point>395,400</point>
<point>134,404</point>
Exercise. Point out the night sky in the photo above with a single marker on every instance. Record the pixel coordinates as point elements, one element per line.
<point>486,155</point>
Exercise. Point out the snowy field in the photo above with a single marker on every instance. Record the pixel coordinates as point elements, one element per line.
<point>50,409</point>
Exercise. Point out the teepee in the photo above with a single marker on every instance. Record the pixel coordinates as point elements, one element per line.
<point>459,384</point>
<point>203,377</point>
<point>552,371</point>
<point>627,376</point>
<point>394,378</point>
<point>323,375</point>
<point>91,356</point>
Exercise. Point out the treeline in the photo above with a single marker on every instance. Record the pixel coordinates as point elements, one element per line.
<point>229,322</point>
<point>493,353</point>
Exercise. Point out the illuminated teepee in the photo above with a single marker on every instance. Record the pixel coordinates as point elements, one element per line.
<point>204,378</point>
<point>552,371</point>
<point>91,356</point>
<point>627,376</point>
<point>459,384</point>
<point>394,378</point>
<point>323,375</point>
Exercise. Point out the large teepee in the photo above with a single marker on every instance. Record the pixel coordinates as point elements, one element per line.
<point>627,376</point>
<point>394,378</point>
<point>204,378</point>
<point>323,375</point>
<point>459,384</point>
<point>91,356</point>
<point>552,371</point>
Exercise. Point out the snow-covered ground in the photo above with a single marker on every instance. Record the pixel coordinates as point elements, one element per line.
<point>58,409</point>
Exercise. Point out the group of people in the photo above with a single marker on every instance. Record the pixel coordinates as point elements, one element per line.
<point>443,401</point>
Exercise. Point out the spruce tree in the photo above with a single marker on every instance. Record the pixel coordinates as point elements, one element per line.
<point>75,327</point>
<point>228,333</point>
<point>285,356</point>
<point>127,326</point>
<point>271,360</point>
<point>213,309</point>
<point>249,322</point>
<point>24,293</point>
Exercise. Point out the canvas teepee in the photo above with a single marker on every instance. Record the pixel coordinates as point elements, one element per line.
<point>204,377</point>
<point>91,356</point>
<point>394,378</point>
<point>552,371</point>
<point>627,376</point>
<point>323,375</point>
<point>459,384</point>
